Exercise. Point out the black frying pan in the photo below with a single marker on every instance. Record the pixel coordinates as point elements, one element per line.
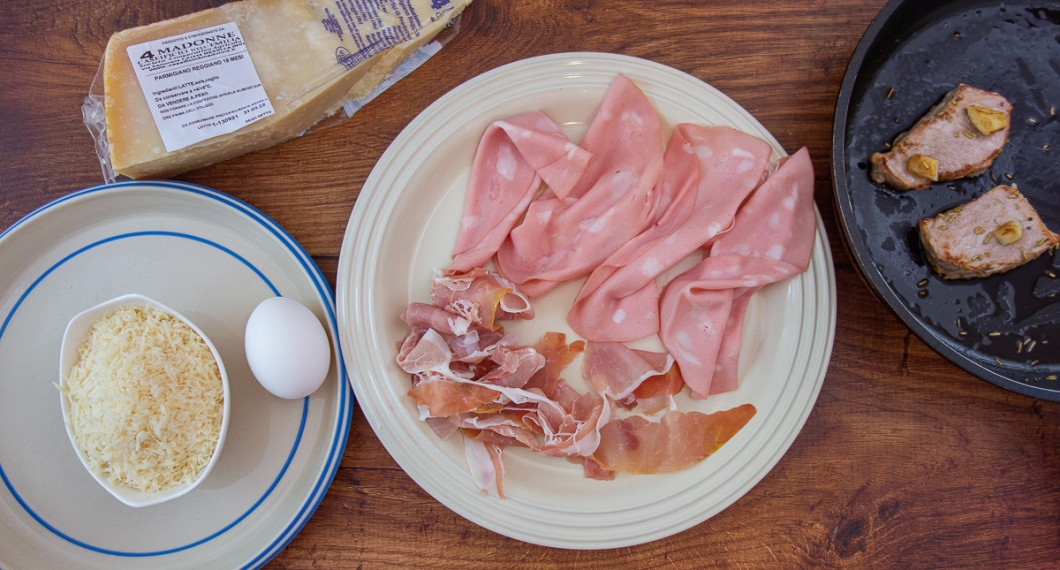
<point>1004,328</point>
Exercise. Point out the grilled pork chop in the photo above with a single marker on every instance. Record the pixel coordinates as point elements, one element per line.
<point>960,137</point>
<point>991,234</point>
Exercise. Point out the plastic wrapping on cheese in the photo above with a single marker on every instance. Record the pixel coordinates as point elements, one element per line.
<point>209,86</point>
<point>146,400</point>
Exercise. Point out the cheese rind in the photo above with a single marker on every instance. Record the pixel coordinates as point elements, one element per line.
<point>296,47</point>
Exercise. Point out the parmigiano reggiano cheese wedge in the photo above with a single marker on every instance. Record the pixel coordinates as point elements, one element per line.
<point>311,57</point>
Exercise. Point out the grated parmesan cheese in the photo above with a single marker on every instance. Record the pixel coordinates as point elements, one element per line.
<point>145,399</point>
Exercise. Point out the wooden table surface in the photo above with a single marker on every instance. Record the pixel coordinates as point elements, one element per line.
<point>905,461</point>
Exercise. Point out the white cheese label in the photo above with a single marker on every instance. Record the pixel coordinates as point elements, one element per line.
<point>200,85</point>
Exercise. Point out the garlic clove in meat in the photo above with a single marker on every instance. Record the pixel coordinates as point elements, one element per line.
<point>1008,233</point>
<point>924,166</point>
<point>985,120</point>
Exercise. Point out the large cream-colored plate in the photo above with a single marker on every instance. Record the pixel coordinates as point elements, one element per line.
<point>403,226</point>
<point>213,258</point>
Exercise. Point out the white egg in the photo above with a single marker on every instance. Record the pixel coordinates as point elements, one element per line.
<point>287,348</point>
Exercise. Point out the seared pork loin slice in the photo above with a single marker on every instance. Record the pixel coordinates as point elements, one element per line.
<point>991,234</point>
<point>960,137</point>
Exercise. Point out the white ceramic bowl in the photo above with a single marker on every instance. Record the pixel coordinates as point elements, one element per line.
<point>76,330</point>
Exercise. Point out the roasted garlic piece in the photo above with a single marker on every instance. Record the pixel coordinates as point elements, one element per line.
<point>985,120</point>
<point>924,166</point>
<point>1008,233</point>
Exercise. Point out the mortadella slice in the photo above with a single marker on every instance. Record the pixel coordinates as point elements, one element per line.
<point>619,301</point>
<point>562,238</point>
<point>701,310</point>
<point>513,158</point>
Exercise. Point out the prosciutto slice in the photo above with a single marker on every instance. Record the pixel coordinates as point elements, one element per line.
<point>619,301</point>
<point>558,355</point>
<point>424,316</point>
<point>563,237</point>
<point>656,392</point>
<point>468,376</point>
<point>702,310</point>
<point>443,397</point>
<point>513,159</point>
<point>677,441</point>
<point>479,296</point>
<point>577,432</point>
<point>616,370</point>
<point>487,469</point>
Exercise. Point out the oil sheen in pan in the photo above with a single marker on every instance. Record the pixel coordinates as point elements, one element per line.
<point>1008,324</point>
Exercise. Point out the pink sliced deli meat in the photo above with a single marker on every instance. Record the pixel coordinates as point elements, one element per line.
<point>619,301</point>
<point>467,376</point>
<point>616,370</point>
<point>561,238</point>
<point>513,158</point>
<point>480,296</point>
<point>623,209</point>
<point>677,441</point>
<point>701,311</point>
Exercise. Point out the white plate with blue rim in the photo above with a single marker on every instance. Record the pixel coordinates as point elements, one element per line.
<point>213,258</point>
